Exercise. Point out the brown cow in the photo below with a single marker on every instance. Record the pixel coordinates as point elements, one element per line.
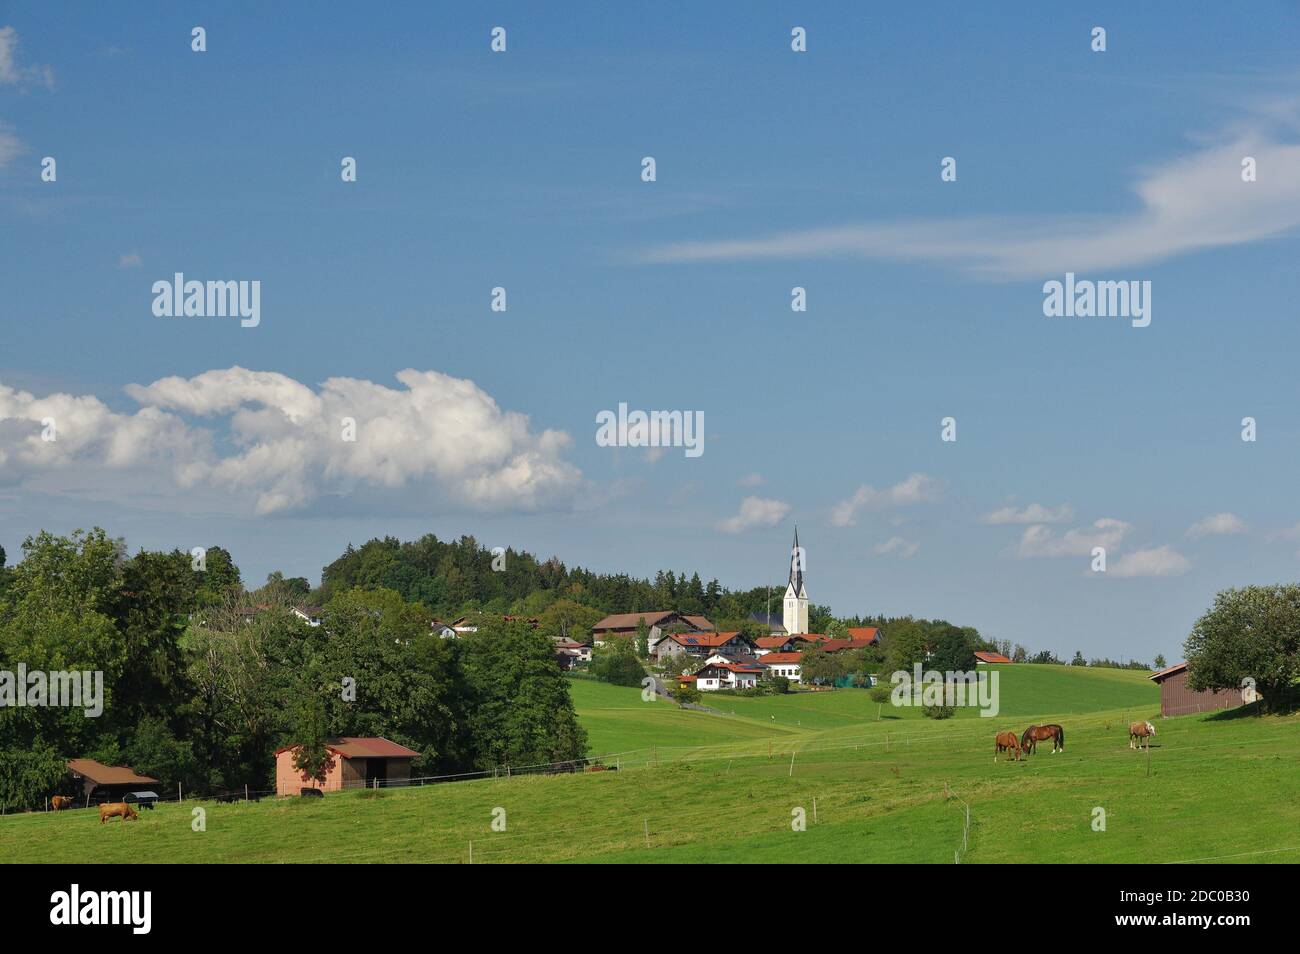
<point>114,810</point>
<point>1007,741</point>
<point>60,802</point>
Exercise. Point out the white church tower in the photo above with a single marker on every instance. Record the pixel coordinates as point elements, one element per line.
<point>796,594</point>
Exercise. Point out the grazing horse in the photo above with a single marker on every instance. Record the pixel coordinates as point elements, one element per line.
<point>60,802</point>
<point>1140,732</point>
<point>116,809</point>
<point>1007,741</point>
<point>1038,733</point>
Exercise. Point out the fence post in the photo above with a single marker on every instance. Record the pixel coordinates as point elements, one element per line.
<point>245,791</point>
<point>814,809</point>
<point>180,796</point>
<point>647,833</point>
<point>791,772</point>
<point>471,852</point>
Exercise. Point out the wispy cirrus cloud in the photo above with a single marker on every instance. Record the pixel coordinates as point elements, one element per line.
<point>1216,525</point>
<point>1042,541</point>
<point>1032,513</point>
<point>897,545</point>
<point>14,73</point>
<point>755,513</point>
<point>916,488</point>
<point>1153,561</point>
<point>1188,204</point>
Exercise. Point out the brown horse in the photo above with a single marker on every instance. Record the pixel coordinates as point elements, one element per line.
<point>1038,733</point>
<point>116,809</point>
<point>60,802</point>
<point>1007,741</point>
<point>1140,732</point>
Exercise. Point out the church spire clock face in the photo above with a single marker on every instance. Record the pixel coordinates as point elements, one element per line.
<point>796,594</point>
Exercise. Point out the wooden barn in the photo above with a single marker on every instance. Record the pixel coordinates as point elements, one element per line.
<point>1177,699</point>
<point>99,783</point>
<point>357,763</point>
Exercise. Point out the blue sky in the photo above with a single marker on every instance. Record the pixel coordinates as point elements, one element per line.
<point>775,169</point>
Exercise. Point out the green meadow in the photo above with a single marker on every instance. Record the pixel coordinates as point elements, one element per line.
<point>731,785</point>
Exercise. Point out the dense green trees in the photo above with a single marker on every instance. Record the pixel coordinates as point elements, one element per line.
<point>520,712</point>
<point>1251,633</point>
<point>202,681</point>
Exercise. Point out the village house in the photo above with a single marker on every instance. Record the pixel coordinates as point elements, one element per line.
<point>311,615</point>
<point>990,659</point>
<point>625,624</point>
<point>569,653</point>
<point>787,644</point>
<point>782,664</point>
<point>355,763</point>
<point>730,644</point>
<point>724,675</point>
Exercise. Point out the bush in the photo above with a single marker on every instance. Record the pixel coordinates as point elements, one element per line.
<point>938,712</point>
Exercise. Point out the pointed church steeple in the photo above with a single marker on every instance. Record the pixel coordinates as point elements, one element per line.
<point>796,594</point>
<point>796,563</point>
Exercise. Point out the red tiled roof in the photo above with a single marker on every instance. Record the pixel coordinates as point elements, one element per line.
<point>780,659</point>
<point>734,667</point>
<point>870,633</point>
<point>703,639</point>
<point>1168,671</point>
<point>834,645</point>
<point>991,657</point>
<point>771,642</point>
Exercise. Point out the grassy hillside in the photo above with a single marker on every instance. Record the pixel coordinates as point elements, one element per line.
<point>1218,786</point>
<point>617,720</point>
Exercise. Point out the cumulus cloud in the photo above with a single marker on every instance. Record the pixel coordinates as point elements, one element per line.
<point>755,513</point>
<point>1034,513</point>
<point>13,73</point>
<point>904,548</point>
<point>1185,205</point>
<point>129,260</point>
<point>283,443</point>
<point>751,480</point>
<point>1043,541</point>
<point>917,488</point>
<point>1218,524</point>
<point>1155,561</point>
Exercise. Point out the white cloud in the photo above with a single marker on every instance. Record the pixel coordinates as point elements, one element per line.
<point>751,480</point>
<point>1043,541</point>
<point>1156,561</point>
<point>1218,524</point>
<point>917,488</point>
<point>1185,205</point>
<point>1034,513</point>
<point>284,447</point>
<point>130,260</point>
<point>12,73</point>
<point>755,513</point>
<point>904,548</point>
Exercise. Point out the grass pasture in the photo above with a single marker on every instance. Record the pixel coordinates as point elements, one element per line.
<point>715,788</point>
